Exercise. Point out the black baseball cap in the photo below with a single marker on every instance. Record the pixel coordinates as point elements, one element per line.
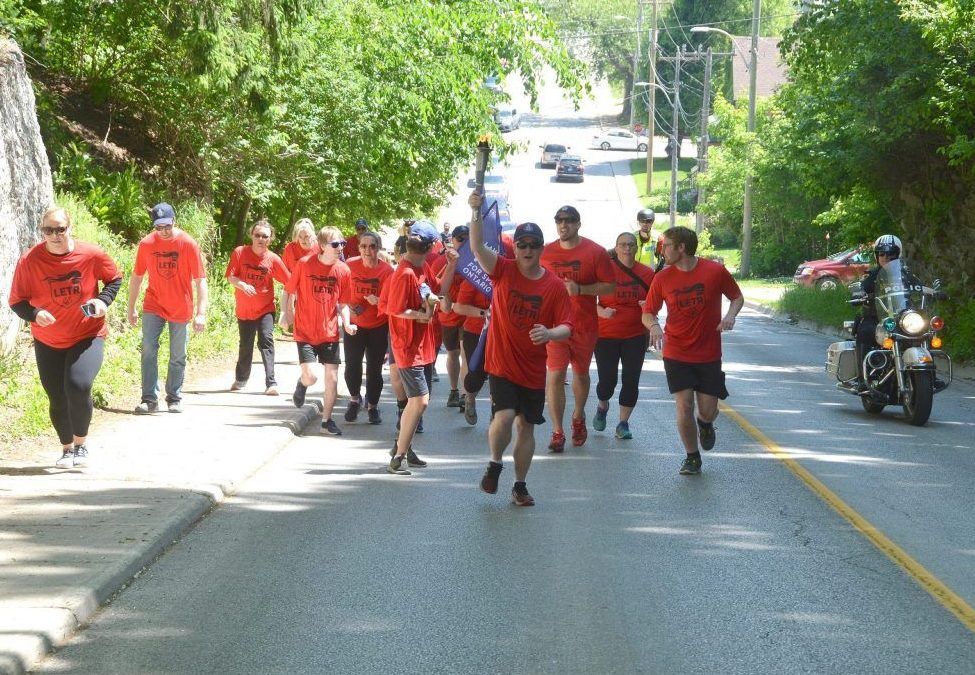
<point>526,230</point>
<point>362,223</point>
<point>569,211</point>
<point>461,232</point>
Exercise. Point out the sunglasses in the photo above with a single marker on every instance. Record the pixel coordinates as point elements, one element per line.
<point>565,220</point>
<point>368,246</point>
<point>336,244</point>
<point>54,230</point>
<point>533,244</point>
<point>261,236</point>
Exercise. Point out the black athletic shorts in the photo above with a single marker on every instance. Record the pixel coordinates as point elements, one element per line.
<point>451,337</point>
<point>326,353</point>
<point>506,395</point>
<point>707,378</point>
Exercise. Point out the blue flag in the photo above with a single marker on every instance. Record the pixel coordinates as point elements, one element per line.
<point>471,270</point>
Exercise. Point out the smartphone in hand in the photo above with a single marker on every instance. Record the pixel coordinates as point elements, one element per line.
<point>88,309</point>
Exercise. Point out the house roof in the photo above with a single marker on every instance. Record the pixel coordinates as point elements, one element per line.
<point>772,72</point>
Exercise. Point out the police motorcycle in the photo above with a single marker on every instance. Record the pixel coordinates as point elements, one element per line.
<point>906,366</point>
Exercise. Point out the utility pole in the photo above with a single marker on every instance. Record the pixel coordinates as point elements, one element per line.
<point>636,63</point>
<point>702,146</point>
<point>746,218</point>
<point>675,138</point>
<point>652,75</point>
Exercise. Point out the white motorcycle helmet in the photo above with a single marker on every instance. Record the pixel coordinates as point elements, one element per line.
<point>888,245</point>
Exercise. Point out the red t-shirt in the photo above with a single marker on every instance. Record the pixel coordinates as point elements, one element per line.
<point>452,318</point>
<point>627,322</point>
<point>293,252</point>
<point>172,265</point>
<point>414,343</point>
<point>693,309</point>
<point>367,281</point>
<point>260,272</point>
<point>469,295</point>
<point>61,284</point>
<point>584,264</point>
<point>320,289</point>
<point>518,304</point>
<point>351,249</point>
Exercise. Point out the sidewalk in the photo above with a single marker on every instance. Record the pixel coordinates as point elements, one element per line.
<point>73,538</point>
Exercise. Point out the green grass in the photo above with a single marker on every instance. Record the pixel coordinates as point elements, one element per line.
<point>827,308</point>
<point>731,257</point>
<point>661,173</point>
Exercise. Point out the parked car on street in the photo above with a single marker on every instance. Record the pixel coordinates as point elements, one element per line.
<point>551,152</point>
<point>507,118</point>
<point>619,139</point>
<point>570,167</point>
<point>844,268</point>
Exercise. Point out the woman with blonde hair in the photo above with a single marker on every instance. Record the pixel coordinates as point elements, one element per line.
<point>56,290</point>
<point>303,242</point>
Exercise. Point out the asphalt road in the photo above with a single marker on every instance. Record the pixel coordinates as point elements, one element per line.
<point>324,563</point>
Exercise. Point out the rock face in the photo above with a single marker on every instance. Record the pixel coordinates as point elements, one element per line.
<point>25,177</point>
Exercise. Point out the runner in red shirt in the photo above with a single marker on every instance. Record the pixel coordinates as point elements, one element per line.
<point>55,290</point>
<point>371,339</point>
<point>352,243</point>
<point>475,307</point>
<point>316,297</point>
<point>171,259</point>
<point>692,289</point>
<point>252,271</point>
<point>409,299</point>
<point>622,337</point>
<point>303,242</point>
<point>587,271</point>
<point>452,325</point>
<point>530,308</point>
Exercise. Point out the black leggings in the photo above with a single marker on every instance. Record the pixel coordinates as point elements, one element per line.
<point>263,330</point>
<point>609,353</point>
<point>475,378</point>
<point>371,343</point>
<point>67,376</point>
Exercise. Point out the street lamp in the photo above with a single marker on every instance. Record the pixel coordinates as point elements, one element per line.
<point>746,216</point>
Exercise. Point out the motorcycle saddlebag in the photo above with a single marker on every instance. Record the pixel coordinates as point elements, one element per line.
<point>841,360</point>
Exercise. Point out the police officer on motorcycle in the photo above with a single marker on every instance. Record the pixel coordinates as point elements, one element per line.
<point>886,248</point>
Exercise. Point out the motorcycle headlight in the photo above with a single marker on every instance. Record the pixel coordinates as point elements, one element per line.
<point>913,323</point>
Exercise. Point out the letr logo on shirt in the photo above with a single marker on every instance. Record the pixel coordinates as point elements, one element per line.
<point>323,287</point>
<point>255,274</point>
<point>524,309</point>
<point>167,264</point>
<point>567,271</point>
<point>691,299</point>
<point>65,289</point>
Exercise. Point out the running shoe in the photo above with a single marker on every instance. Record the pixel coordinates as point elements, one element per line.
<point>238,385</point>
<point>80,455</point>
<point>622,431</point>
<point>706,433</point>
<point>298,398</point>
<point>463,403</point>
<point>470,410</point>
<point>352,410</point>
<point>331,428</point>
<point>272,390</point>
<point>489,481</point>
<point>66,461</point>
<point>174,407</point>
<point>691,466</point>
<point>147,408</point>
<point>557,444</point>
<point>599,421</point>
<point>453,399</point>
<point>520,496</point>
<point>579,433</point>
<point>413,460</point>
<point>396,467</point>
<point>374,416</point>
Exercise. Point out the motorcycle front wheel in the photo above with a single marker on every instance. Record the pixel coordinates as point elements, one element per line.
<point>917,409</point>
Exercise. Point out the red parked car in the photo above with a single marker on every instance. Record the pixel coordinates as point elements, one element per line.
<point>844,268</point>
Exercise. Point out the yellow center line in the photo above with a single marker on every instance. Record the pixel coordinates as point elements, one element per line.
<point>937,588</point>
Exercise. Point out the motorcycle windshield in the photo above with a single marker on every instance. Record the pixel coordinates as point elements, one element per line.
<point>897,290</point>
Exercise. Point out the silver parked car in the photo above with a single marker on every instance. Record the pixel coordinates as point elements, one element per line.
<point>551,153</point>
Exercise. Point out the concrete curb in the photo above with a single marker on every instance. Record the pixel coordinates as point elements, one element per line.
<point>29,635</point>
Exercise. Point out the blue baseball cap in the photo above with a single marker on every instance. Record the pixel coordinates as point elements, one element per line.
<point>425,230</point>
<point>362,223</point>
<point>162,214</point>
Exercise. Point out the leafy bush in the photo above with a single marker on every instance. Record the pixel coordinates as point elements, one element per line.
<point>659,201</point>
<point>959,335</point>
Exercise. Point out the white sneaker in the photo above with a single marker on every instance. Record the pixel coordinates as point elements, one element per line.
<point>237,385</point>
<point>66,461</point>
<point>80,455</point>
<point>271,391</point>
